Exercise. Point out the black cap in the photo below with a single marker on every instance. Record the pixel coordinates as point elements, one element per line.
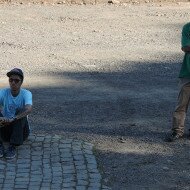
<point>16,71</point>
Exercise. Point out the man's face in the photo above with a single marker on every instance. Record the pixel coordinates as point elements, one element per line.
<point>15,82</point>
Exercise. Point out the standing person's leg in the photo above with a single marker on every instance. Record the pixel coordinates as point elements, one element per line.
<point>179,114</point>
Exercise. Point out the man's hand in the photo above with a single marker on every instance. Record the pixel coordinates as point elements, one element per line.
<point>186,49</point>
<point>1,121</point>
<point>5,121</point>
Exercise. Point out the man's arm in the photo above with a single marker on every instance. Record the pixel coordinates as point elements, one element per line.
<point>23,113</point>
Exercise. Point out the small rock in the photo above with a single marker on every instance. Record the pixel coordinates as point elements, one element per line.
<point>165,168</point>
<point>61,2</point>
<point>113,2</point>
<point>135,2</point>
<point>158,14</point>
<point>106,180</point>
<point>169,161</point>
<point>122,140</point>
<point>125,4</point>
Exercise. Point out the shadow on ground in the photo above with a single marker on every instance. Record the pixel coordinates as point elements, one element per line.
<point>109,103</point>
<point>135,103</point>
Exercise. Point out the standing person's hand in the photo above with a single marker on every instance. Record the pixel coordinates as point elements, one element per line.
<point>186,49</point>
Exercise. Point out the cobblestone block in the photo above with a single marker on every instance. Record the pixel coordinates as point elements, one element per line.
<point>79,187</point>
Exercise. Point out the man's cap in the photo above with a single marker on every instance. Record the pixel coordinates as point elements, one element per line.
<point>16,71</point>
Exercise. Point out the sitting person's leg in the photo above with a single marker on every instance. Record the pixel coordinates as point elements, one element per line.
<point>15,134</point>
<point>19,133</point>
<point>26,131</point>
<point>5,133</point>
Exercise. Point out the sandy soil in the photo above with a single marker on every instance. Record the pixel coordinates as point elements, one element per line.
<point>106,74</point>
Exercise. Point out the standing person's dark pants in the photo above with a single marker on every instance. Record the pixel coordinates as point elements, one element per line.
<point>16,132</point>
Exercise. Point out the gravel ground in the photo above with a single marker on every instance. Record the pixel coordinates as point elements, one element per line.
<point>106,74</point>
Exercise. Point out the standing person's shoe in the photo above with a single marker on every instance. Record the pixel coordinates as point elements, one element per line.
<point>1,150</point>
<point>174,136</point>
<point>11,152</point>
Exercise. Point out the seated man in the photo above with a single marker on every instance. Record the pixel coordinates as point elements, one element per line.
<point>16,104</point>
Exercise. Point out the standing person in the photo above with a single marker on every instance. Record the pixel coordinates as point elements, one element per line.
<point>16,104</point>
<point>179,114</point>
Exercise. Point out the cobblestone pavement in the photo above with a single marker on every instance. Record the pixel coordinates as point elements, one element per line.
<point>47,162</point>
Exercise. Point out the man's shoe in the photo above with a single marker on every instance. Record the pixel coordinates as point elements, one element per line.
<point>1,150</point>
<point>174,136</point>
<point>11,152</point>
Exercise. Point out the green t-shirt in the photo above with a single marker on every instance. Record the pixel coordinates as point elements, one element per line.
<point>185,41</point>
